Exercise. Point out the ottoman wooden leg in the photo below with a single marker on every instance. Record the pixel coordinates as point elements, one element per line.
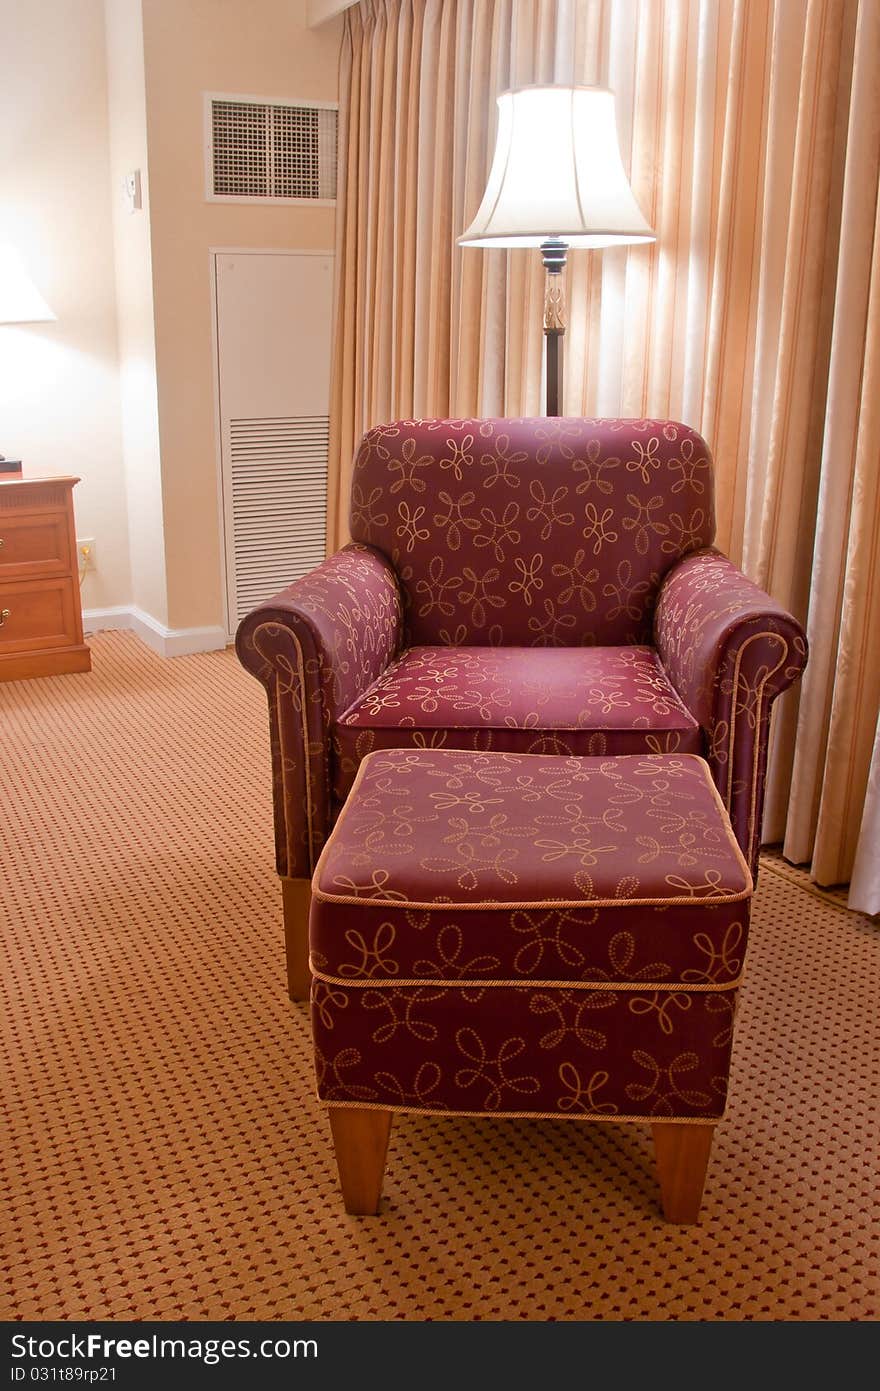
<point>682,1157</point>
<point>361,1141</point>
<point>296,896</point>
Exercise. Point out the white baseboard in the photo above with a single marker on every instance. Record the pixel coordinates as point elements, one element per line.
<point>95,620</point>
<point>168,642</point>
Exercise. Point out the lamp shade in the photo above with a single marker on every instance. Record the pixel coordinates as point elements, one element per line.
<point>20,300</point>
<point>557,172</point>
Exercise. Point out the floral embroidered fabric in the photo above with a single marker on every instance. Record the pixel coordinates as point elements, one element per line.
<point>730,650</point>
<point>548,532</point>
<point>508,933</point>
<point>316,646</point>
<point>493,556</point>
<point>564,1053</point>
<point>498,864</point>
<point>566,700</point>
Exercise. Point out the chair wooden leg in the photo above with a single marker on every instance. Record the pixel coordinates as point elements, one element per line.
<point>682,1157</point>
<point>296,896</point>
<point>360,1137</point>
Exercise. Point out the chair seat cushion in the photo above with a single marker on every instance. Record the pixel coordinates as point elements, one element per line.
<point>467,867</point>
<point>564,700</point>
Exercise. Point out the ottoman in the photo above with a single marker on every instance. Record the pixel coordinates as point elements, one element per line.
<point>526,935</point>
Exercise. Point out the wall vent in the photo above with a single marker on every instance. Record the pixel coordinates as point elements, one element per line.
<point>279,503</point>
<point>273,331</point>
<point>265,151</point>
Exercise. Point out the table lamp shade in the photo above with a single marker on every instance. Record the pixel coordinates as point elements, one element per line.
<point>557,172</point>
<point>20,300</point>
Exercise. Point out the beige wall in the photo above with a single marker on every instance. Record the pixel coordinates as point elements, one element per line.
<point>59,391</point>
<point>319,11</point>
<point>234,46</point>
<point>121,389</point>
<point>134,298</point>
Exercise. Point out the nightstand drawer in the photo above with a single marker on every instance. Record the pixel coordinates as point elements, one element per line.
<point>34,544</point>
<point>38,614</point>
<point>40,611</point>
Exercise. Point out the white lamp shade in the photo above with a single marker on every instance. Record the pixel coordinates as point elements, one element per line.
<point>557,172</point>
<point>20,300</point>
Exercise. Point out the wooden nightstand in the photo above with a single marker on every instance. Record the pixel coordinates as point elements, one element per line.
<point>41,630</point>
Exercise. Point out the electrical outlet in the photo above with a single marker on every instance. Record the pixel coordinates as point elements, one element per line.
<point>85,553</point>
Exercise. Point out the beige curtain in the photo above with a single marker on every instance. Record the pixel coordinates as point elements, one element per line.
<point>812,526</point>
<point>750,128</point>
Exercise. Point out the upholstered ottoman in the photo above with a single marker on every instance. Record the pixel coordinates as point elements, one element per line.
<point>521,935</point>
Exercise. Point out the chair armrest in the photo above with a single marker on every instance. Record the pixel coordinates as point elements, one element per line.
<point>729,650</point>
<point>316,647</point>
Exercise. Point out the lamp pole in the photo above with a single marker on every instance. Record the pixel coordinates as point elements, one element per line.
<point>553,253</point>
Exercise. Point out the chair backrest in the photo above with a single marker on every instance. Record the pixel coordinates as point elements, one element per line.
<point>543,531</point>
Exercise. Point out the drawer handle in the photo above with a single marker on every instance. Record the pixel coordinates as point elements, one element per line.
<point>4,614</point>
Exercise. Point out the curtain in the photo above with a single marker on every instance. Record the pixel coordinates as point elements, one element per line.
<point>864,891</point>
<point>751,132</point>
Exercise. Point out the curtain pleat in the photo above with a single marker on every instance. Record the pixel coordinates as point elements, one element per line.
<point>751,133</point>
<point>864,892</point>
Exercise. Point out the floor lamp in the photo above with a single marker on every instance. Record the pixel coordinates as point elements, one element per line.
<point>557,180</point>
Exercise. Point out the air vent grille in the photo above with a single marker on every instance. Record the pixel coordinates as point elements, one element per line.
<point>279,502</point>
<point>266,150</point>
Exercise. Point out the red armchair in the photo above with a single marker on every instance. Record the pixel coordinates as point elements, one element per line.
<point>537,585</point>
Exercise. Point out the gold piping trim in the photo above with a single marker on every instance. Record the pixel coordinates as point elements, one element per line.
<point>503,906</point>
<point>524,1115</point>
<point>301,674</point>
<point>484,983</point>
<point>537,730</point>
<point>498,905</point>
<point>731,743</point>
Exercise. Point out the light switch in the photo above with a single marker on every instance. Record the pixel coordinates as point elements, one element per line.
<point>132,186</point>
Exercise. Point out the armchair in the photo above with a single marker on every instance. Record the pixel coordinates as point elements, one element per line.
<point>537,585</point>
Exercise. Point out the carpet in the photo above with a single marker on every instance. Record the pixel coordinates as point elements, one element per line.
<point>163,1154</point>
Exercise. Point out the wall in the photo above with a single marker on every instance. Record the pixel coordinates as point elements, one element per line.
<point>59,394</point>
<point>319,11</point>
<point>121,389</point>
<point>134,298</point>
<point>232,46</point>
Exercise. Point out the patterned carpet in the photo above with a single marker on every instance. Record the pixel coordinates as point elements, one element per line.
<point>164,1156</point>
